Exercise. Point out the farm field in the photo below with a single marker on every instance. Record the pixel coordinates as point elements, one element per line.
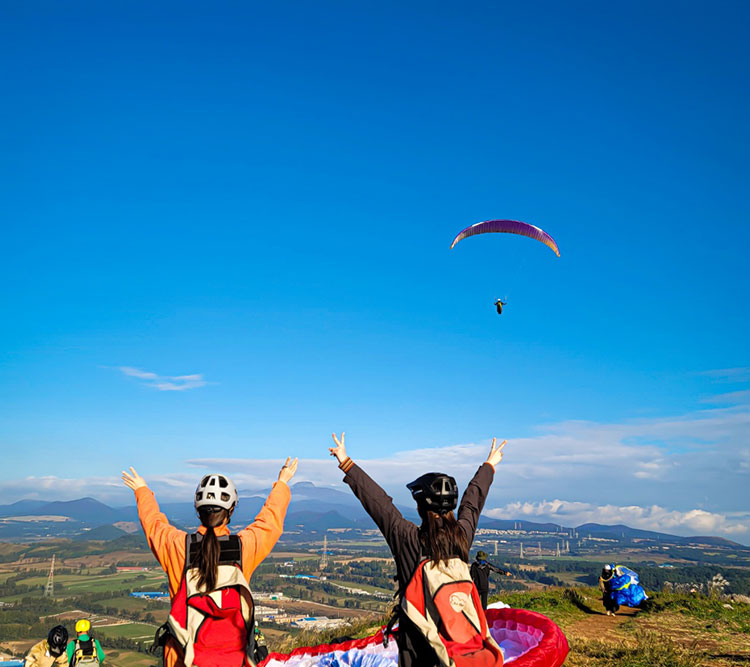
<point>124,658</point>
<point>142,632</point>
<point>364,587</point>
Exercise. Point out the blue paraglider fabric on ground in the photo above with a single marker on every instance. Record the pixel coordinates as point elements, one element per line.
<point>626,588</point>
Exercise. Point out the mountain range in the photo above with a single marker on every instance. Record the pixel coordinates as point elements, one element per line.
<point>313,508</point>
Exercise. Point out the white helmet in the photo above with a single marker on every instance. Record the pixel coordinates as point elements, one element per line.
<point>216,491</point>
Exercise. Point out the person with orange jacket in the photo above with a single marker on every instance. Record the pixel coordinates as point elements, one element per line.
<point>209,571</point>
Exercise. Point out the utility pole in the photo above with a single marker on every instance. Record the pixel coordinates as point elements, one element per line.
<point>539,547</point>
<point>496,547</point>
<point>558,550</point>
<point>324,555</point>
<point>521,555</point>
<point>49,589</point>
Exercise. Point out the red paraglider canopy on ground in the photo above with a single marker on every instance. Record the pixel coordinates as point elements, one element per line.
<point>521,625</point>
<point>528,639</point>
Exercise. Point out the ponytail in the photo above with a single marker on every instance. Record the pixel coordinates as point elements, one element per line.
<point>207,560</point>
<point>442,537</point>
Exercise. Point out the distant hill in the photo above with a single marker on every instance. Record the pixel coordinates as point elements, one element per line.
<point>714,541</point>
<point>22,507</point>
<point>313,507</point>
<point>317,521</point>
<point>531,526</point>
<point>87,510</point>
<point>103,533</point>
<point>620,531</point>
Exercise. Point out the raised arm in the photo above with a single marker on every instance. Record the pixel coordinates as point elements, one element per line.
<point>162,537</point>
<point>498,570</point>
<point>476,492</point>
<point>376,502</point>
<point>262,534</point>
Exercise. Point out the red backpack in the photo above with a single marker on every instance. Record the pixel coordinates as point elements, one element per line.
<point>214,628</point>
<point>443,602</point>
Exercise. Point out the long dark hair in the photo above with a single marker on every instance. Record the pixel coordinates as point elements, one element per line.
<point>207,559</point>
<point>441,537</point>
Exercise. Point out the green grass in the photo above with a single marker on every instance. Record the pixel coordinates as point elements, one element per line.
<point>709,612</point>
<point>139,631</point>
<point>114,582</point>
<point>561,605</point>
<point>96,583</point>
<point>131,605</point>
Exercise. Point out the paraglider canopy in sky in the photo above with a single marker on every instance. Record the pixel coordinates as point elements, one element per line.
<point>508,227</point>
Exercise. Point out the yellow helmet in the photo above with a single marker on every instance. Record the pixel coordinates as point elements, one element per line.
<point>83,626</point>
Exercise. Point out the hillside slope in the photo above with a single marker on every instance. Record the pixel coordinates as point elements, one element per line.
<point>672,631</point>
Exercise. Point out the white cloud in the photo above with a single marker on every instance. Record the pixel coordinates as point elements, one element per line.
<point>654,517</point>
<point>50,487</point>
<point>730,398</point>
<point>685,473</point>
<point>737,374</point>
<point>165,382</point>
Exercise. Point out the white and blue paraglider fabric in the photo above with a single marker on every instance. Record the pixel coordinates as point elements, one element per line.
<point>527,639</point>
<point>626,588</point>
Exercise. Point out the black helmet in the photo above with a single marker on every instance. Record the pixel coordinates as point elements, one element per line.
<point>435,491</point>
<point>57,640</point>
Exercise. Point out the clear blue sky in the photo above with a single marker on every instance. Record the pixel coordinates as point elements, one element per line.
<point>264,194</point>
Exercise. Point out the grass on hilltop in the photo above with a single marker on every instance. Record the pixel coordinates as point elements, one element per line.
<point>672,630</point>
<point>646,649</point>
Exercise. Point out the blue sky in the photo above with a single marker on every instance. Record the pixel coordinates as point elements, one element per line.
<point>264,196</point>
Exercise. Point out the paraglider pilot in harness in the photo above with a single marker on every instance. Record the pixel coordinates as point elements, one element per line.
<point>605,586</point>
<point>499,305</point>
<point>480,575</point>
<point>84,650</point>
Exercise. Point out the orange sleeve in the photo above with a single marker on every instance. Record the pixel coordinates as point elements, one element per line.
<point>262,534</point>
<point>166,542</point>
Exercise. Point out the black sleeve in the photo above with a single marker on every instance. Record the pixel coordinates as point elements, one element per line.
<point>495,569</point>
<point>400,534</point>
<point>473,500</point>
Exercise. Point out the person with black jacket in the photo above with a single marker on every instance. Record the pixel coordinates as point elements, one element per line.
<point>480,575</point>
<point>441,535</point>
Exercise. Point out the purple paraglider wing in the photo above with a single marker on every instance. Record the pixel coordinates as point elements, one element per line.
<point>508,227</point>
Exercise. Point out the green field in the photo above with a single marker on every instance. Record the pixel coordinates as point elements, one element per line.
<point>138,631</point>
<point>364,587</point>
<point>128,604</point>
<point>122,658</point>
<point>76,583</point>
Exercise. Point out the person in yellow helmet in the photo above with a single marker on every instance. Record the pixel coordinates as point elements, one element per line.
<point>84,650</point>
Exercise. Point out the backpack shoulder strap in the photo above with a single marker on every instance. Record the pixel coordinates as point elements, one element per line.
<point>191,539</point>
<point>231,549</point>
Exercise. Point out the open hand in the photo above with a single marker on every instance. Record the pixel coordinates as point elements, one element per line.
<point>287,470</point>
<point>496,453</point>
<point>339,451</point>
<point>134,480</point>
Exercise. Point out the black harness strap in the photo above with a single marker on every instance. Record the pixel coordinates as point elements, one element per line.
<point>230,550</point>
